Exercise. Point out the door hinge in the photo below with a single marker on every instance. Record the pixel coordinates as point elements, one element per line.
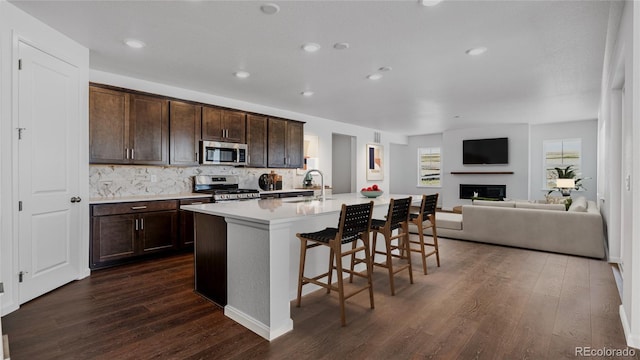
<point>19,64</point>
<point>19,205</point>
<point>20,276</point>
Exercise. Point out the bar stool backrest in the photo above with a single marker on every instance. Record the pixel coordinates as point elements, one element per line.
<point>355,220</point>
<point>429,203</point>
<point>398,212</point>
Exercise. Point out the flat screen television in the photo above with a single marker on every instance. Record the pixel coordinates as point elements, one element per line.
<point>485,151</point>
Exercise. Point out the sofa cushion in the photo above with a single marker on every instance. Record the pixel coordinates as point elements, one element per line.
<point>579,204</point>
<point>494,203</point>
<point>523,205</point>
<point>449,221</point>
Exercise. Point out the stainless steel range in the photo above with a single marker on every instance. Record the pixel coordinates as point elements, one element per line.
<point>223,188</point>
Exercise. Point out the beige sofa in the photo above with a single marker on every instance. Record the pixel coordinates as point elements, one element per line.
<point>547,227</point>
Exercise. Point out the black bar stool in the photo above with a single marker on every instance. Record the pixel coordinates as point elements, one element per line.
<point>427,213</point>
<point>397,219</point>
<point>355,224</point>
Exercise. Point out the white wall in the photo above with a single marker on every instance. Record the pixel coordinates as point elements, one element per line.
<point>322,128</point>
<point>404,165</point>
<point>16,24</point>
<point>587,131</point>
<point>620,156</point>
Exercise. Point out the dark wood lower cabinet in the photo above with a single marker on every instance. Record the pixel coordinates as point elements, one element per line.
<point>211,258</point>
<point>186,233</point>
<point>125,232</point>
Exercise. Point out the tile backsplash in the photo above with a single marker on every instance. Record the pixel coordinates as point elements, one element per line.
<point>129,180</point>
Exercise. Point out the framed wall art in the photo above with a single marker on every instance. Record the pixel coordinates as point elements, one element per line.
<point>375,162</point>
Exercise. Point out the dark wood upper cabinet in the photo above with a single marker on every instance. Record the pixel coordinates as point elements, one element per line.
<point>295,144</point>
<point>234,123</point>
<point>257,140</point>
<point>184,133</point>
<point>127,128</point>
<point>285,143</point>
<point>108,126</point>
<point>149,130</point>
<point>130,127</point>
<point>277,143</point>
<point>223,125</point>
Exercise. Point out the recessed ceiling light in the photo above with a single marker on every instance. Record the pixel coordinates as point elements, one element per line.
<point>307,93</point>
<point>270,8</point>
<point>241,74</point>
<point>133,43</point>
<point>310,47</point>
<point>385,68</point>
<point>476,51</point>
<point>375,76</point>
<point>430,2</point>
<point>341,46</point>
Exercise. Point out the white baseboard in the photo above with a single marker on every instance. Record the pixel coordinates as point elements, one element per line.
<point>255,325</point>
<point>633,340</point>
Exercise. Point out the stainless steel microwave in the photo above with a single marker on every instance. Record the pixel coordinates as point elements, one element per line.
<point>221,153</point>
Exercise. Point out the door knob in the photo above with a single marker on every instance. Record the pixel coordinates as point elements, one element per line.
<point>76,199</point>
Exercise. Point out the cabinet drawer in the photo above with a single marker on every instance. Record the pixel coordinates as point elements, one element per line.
<point>196,201</point>
<point>133,207</point>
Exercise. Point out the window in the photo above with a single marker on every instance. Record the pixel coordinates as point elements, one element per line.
<point>560,153</point>
<point>429,167</point>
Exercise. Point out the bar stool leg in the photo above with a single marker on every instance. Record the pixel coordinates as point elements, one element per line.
<point>387,242</point>
<point>330,274</point>
<point>435,244</point>
<point>303,255</point>
<point>338,258</point>
<point>424,258</point>
<point>405,229</point>
<point>369,264</point>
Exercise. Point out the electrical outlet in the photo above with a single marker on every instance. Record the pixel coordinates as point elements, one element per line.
<point>154,178</point>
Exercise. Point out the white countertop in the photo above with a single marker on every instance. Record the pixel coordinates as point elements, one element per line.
<point>274,211</point>
<point>107,200</point>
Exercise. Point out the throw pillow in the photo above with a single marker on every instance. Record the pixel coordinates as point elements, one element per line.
<point>579,204</point>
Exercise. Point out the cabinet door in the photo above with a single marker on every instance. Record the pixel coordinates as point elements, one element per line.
<point>295,144</point>
<point>276,143</point>
<point>257,140</point>
<point>158,230</point>
<point>149,130</point>
<point>186,234</point>
<point>108,126</point>
<point>113,238</point>
<point>184,127</point>
<point>233,122</point>
<point>212,123</point>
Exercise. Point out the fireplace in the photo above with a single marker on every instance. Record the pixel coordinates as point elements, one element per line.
<point>484,191</point>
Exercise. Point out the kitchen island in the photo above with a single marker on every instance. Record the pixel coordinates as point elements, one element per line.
<point>262,252</point>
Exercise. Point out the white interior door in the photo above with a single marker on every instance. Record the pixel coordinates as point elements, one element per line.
<point>49,223</point>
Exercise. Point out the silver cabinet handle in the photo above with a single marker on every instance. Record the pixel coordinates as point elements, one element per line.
<point>138,207</point>
<point>136,224</point>
<point>131,154</point>
<point>141,224</point>
<point>197,203</point>
<point>126,153</point>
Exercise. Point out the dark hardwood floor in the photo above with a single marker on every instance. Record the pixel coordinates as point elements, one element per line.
<point>486,302</point>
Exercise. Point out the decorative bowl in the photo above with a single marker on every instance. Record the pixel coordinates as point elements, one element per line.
<point>371,194</point>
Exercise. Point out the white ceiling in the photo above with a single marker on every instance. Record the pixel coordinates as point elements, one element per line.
<point>544,59</point>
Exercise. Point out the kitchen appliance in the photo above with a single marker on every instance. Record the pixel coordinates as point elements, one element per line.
<point>223,188</point>
<point>271,181</point>
<point>221,153</point>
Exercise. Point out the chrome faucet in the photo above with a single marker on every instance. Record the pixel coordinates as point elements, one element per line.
<point>308,175</point>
